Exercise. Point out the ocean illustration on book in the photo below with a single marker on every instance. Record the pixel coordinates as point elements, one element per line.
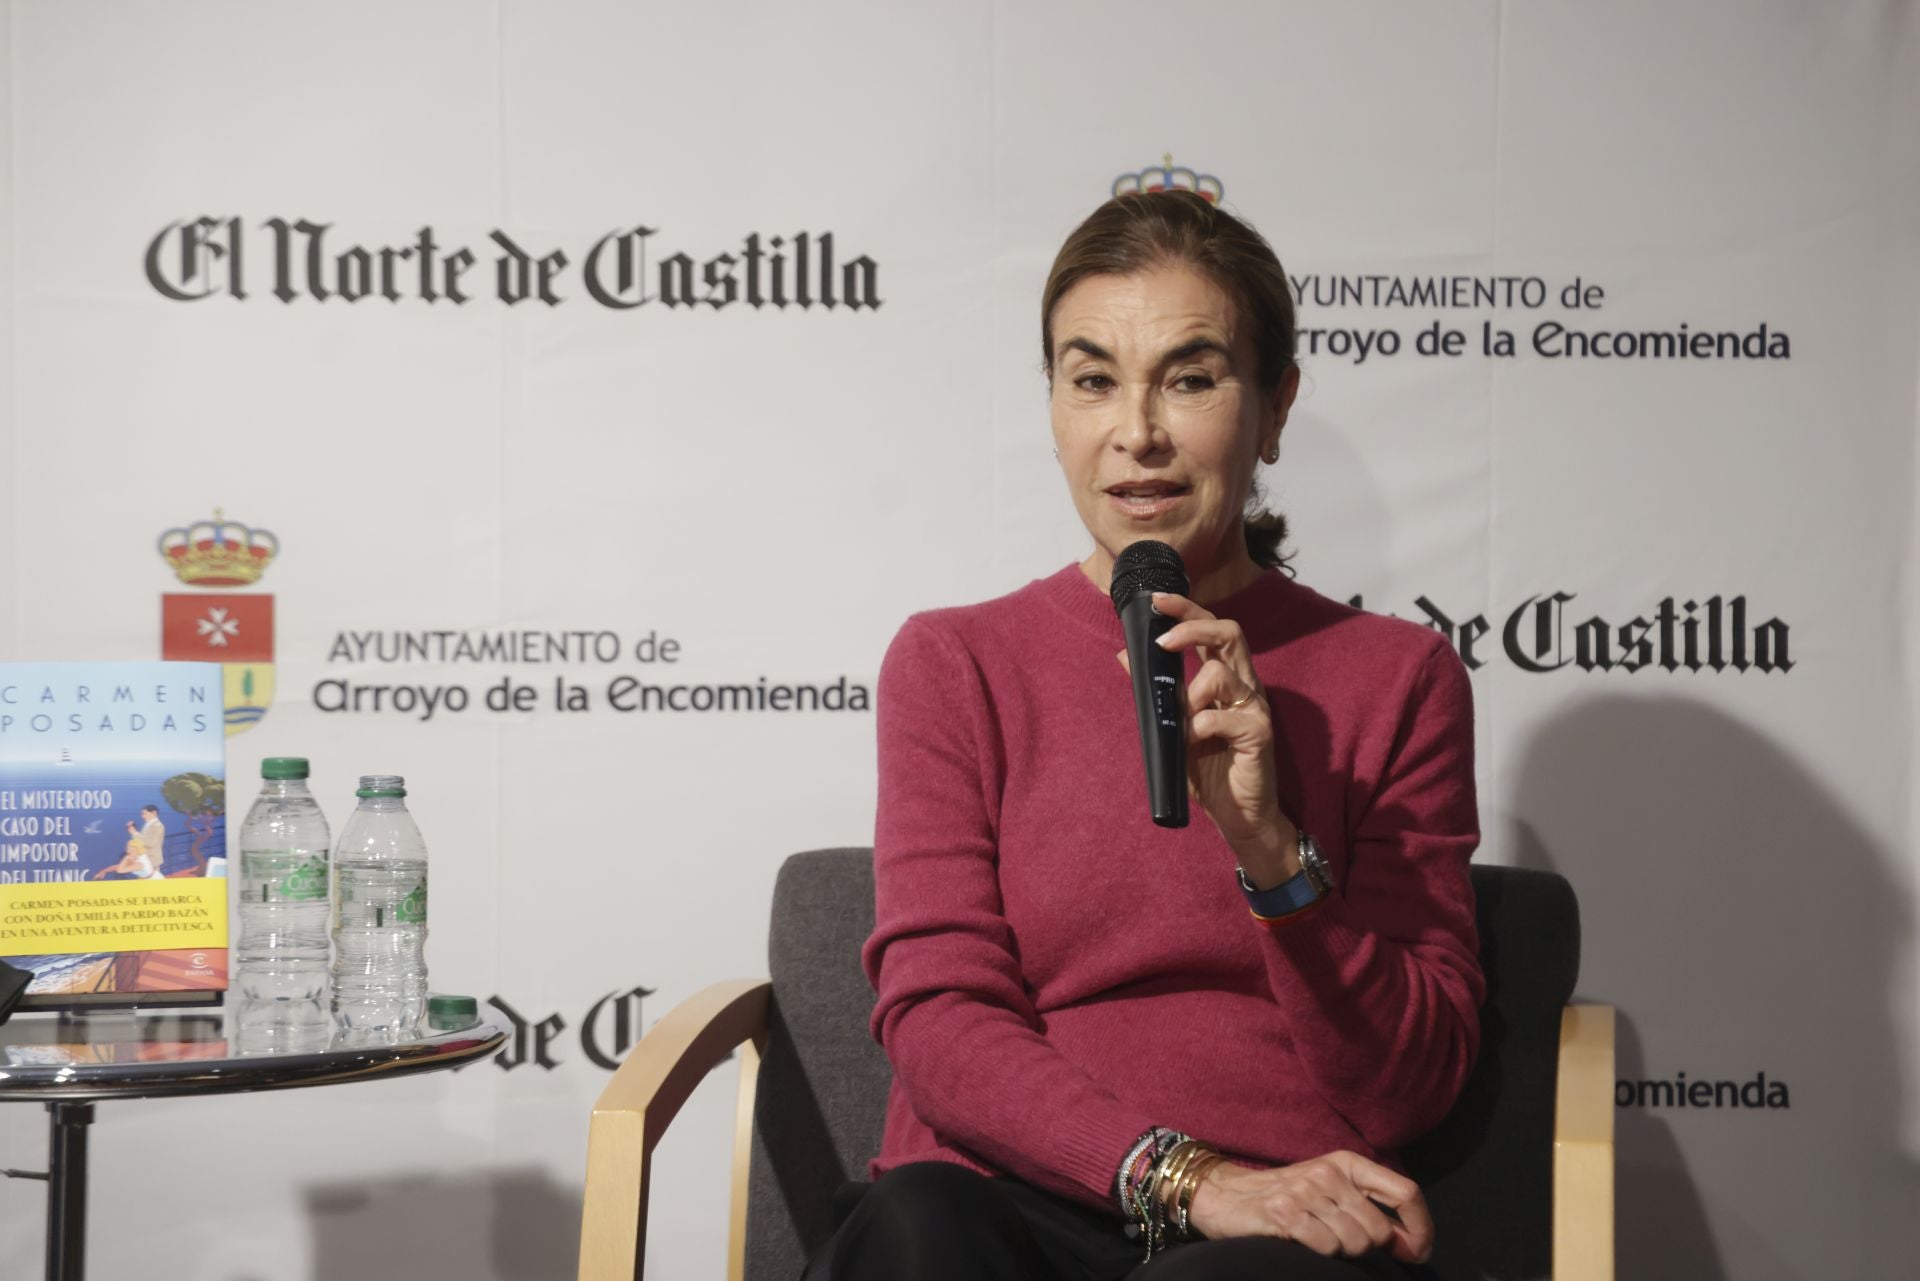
<point>113,831</point>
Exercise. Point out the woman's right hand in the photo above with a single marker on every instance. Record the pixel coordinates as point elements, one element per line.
<point>1326,1204</point>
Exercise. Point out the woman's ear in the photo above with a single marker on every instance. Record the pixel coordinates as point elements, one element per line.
<point>1283,398</point>
<point>1278,407</point>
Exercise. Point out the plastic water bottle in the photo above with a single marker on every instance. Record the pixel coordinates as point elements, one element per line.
<point>281,957</point>
<point>380,916</point>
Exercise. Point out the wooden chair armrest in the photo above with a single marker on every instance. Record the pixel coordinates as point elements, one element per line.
<point>641,1100</point>
<point>1583,1146</point>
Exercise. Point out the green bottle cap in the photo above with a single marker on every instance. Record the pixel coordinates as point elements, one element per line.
<point>451,1013</point>
<point>281,767</point>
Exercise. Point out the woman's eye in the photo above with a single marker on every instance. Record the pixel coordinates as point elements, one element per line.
<point>1093,382</point>
<point>1193,382</point>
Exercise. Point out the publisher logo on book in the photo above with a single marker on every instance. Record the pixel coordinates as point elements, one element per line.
<point>218,624</point>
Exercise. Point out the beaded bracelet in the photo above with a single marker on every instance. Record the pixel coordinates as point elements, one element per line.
<point>1135,1179</point>
<point>1160,1160</point>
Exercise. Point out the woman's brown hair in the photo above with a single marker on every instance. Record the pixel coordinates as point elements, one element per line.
<point>1143,230</point>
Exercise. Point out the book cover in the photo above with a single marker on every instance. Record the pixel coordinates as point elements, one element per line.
<point>113,831</point>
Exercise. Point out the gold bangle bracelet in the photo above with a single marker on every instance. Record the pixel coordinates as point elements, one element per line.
<point>1174,1165</point>
<point>1176,1180</point>
<point>1189,1185</point>
<point>1165,1178</point>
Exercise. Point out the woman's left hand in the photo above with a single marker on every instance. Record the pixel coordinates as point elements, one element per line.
<point>1230,741</point>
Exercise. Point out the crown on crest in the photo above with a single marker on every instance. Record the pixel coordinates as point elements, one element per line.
<point>1168,176</point>
<point>219,552</point>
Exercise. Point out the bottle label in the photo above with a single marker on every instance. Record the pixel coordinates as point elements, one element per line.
<point>412,910</point>
<point>306,882</point>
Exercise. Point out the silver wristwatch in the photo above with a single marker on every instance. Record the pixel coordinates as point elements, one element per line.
<point>1315,867</point>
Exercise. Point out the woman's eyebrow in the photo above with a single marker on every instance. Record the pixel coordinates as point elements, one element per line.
<point>1185,351</point>
<point>1193,347</point>
<point>1087,345</point>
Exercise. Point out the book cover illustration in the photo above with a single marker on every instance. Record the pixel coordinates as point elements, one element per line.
<point>113,831</point>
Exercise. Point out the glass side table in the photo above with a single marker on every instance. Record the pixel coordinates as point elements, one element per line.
<point>70,1062</point>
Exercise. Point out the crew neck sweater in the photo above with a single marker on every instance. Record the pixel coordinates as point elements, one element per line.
<point>1055,974</point>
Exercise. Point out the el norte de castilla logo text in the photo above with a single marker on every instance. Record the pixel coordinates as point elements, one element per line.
<point>300,261</point>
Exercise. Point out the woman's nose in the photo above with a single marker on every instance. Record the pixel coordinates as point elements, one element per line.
<point>1139,432</point>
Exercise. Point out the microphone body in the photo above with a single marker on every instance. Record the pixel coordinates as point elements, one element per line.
<point>1159,676</point>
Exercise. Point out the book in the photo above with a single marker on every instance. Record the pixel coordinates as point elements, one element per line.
<point>113,839</point>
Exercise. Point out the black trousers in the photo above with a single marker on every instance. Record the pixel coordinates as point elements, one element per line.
<point>935,1221</point>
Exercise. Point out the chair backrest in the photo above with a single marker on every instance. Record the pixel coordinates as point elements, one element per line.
<point>822,1096</point>
<point>823,1082</point>
<point>1487,1169</point>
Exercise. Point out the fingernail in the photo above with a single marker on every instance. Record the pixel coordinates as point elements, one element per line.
<point>1161,640</point>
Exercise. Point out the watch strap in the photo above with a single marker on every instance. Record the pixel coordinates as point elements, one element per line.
<point>1295,894</point>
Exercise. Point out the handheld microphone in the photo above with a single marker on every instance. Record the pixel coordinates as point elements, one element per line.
<point>1159,676</point>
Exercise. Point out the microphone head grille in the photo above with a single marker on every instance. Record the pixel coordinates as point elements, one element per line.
<point>1147,566</point>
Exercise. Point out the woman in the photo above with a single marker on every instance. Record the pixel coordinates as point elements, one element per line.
<point>1101,1032</point>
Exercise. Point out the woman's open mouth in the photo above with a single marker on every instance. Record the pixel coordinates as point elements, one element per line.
<point>1146,499</point>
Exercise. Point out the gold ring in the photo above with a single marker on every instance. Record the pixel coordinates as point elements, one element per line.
<point>1244,700</point>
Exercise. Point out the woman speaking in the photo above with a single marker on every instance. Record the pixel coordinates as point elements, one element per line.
<point>1123,1050</point>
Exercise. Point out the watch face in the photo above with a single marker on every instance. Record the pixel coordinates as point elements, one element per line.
<point>1313,865</point>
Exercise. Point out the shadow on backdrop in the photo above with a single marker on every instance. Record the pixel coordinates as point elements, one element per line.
<point>1343,504</point>
<point>485,1225</point>
<point>1745,924</point>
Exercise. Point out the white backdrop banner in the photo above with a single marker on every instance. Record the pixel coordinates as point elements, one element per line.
<point>613,379</point>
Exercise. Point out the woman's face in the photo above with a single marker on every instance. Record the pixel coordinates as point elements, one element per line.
<point>1160,420</point>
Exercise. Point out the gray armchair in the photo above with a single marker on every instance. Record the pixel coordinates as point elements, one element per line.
<point>1519,1175</point>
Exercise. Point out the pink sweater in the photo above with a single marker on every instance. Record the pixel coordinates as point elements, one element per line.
<point>1056,974</point>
